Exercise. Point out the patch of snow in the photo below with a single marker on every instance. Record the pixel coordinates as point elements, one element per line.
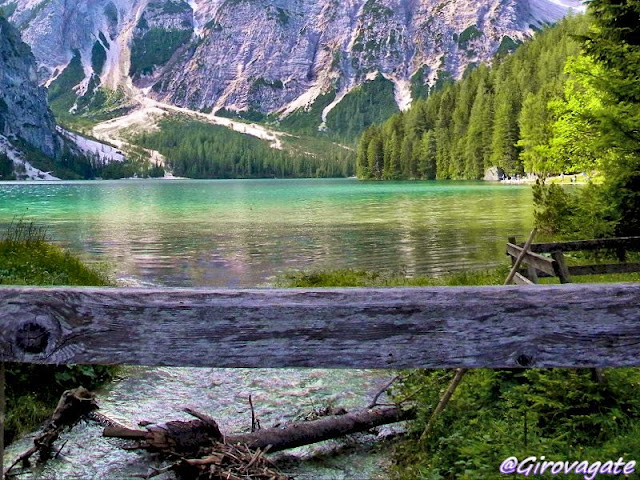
<point>105,153</point>
<point>30,172</point>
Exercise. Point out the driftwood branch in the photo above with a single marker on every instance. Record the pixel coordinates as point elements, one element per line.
<point>188,437</point>
<point>73,405</point>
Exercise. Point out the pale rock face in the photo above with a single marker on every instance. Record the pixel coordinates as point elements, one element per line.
<point>279,55</point>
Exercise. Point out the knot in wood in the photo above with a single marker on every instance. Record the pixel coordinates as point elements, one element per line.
<point>525,360</point>
<point>32,337</point>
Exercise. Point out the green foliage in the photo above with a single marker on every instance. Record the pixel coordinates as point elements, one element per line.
<point>507,45</point>
<point>98,57</point>
<point>366,104</point>
<point>307,121</point>
<point>492,117</point>
<point>7,10</point>
<point>97,105</point>
<point>6,168</point>
<point>364,278</point>
<point>597,120</point>
<point>468,35</point>
<point>573,214</point>
<point>170,7</point>
<point>568,415</point>
<point>613,44</point>
<point>33,390</point>
<point>69,164</point>
<point>111,13</point>
<point>283,16</point>
<point>61,94</point>
<point>198,150</point>
<point>248,115</point>
<point>155,48</point>
<point>419,86</point>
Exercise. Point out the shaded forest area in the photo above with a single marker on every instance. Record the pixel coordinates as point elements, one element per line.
<point>198,150</point>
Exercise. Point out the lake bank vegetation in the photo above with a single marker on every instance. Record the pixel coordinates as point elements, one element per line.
<point>566,102</point>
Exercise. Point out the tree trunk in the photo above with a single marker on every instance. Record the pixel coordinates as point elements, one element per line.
<point>188,437</point>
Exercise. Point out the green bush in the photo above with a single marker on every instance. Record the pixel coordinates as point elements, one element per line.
<point>155,48</point>
<point>561,414</point>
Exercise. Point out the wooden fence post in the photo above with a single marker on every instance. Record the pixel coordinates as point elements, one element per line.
<point>562,269</point>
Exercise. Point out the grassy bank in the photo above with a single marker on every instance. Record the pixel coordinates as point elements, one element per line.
<point>561,414</point>
<point>26,258</point>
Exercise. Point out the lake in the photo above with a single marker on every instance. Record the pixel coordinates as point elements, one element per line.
<point>243,233</point>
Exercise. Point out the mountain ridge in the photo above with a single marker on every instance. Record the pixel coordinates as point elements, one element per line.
<point>274,56</point>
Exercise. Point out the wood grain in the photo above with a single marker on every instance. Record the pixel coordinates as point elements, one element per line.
<point>520,279</point>
<point>496,327</point>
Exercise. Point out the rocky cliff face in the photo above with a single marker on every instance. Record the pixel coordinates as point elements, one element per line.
<point>273,55</point>
<point>24,113</point>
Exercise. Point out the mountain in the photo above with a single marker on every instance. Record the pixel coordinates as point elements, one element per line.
<point>32,146</point>
<point>25,119</point>
<point>282,58</point>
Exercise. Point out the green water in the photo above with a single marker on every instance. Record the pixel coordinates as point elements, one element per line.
<point>242,233</point>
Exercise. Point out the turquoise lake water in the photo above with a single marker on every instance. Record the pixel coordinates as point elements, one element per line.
<point>242,233</point>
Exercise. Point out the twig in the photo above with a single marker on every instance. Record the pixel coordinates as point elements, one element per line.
<point>374,402</point>
<point>443,402</point>
<point>72,406</point>
<point>60,449</point>
<point>255,423</point>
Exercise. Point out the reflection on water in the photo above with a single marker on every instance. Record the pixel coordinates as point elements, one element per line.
<point>241,233</point>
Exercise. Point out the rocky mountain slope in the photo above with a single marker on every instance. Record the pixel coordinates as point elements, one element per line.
<point>23,104</point>
<point>31,144</point>
<point>269,56</point>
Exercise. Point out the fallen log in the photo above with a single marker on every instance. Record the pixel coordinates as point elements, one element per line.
<point>186,438</point>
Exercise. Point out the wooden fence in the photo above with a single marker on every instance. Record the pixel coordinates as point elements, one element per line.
<point>556,265</point>
<point>463,327</point>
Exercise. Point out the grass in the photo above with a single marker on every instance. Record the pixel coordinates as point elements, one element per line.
<point>27,258</point>
<point>363,278</point>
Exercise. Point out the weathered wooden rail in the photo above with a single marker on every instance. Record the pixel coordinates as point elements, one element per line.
<point>490,327</point>
<point>556,265</point>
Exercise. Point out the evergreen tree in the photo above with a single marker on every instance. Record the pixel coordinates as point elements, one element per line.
<point>614,44</point>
